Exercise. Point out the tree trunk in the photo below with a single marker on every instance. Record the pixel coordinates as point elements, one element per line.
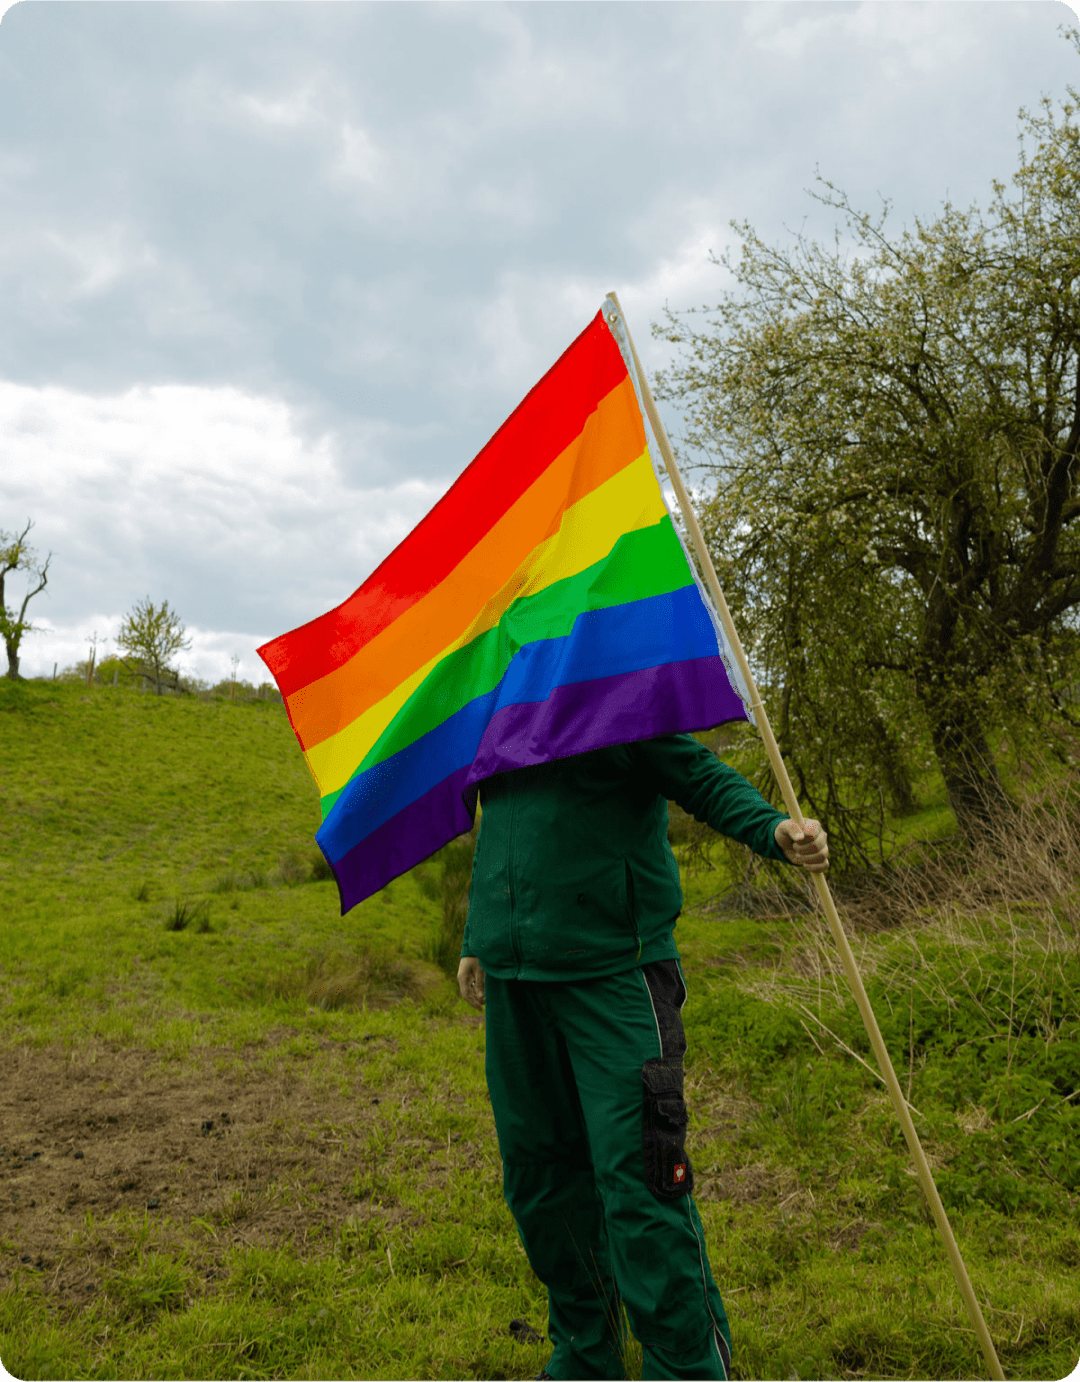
<point>893,768</point>
<point>977,798</point>
<point>12,659</point>
<point>947,685</point>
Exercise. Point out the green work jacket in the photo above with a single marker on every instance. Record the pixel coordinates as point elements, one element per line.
<point>573,876</point>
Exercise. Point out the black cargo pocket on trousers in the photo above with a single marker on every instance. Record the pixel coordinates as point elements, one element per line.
<point>668,1172</point>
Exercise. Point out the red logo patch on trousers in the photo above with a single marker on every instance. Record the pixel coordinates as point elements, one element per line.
<point>680,1172</point>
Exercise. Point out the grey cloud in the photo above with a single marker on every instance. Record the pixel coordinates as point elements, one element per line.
<point>392,218</point>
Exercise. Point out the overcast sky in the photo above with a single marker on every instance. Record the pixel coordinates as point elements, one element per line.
<point>271,274</point>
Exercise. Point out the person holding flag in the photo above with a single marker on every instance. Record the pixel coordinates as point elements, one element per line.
<point>542,641</point>
<point>569,941</point>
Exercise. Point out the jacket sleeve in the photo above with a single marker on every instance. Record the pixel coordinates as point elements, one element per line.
<point>685,771</point>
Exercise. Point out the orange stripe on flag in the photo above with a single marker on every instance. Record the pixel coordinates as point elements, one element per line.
<point>612,438</point>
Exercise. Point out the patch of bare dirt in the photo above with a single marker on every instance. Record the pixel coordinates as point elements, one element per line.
<point>214,1159</point>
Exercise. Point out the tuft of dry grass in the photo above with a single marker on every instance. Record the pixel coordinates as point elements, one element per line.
<point>332,980</point>
<point>1029,864</point>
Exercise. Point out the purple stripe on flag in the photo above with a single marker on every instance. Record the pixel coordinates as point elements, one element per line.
<point>418,830</point>
<point>674,697</point>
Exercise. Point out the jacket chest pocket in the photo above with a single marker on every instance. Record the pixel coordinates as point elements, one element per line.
<point>668,1172</point>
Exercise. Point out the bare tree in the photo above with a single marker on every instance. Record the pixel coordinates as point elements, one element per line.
<point>16,554</point>
<point>153,635</point>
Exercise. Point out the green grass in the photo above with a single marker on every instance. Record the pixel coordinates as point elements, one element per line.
<point>169,956</point>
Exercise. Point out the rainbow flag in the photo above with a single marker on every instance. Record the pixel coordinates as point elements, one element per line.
<point>545,606</point>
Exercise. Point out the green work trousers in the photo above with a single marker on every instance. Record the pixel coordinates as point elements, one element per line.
<point>587,1090</point>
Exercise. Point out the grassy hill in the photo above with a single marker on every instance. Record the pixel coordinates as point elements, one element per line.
<point>120,808</point>
<point>241,1136</point>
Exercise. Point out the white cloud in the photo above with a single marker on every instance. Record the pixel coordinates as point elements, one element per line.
<point>358,159</point>
<point>208,497</point>
<point>909,39</point>
<point>96,260</point>
<point>318,110</point>
<point>288,111</point>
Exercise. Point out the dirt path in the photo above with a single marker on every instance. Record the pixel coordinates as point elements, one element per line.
<point>95,1143</point>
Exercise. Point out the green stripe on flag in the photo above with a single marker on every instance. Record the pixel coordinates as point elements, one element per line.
<point>646,562</point>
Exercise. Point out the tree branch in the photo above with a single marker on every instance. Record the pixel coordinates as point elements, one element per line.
<point>42,583</point>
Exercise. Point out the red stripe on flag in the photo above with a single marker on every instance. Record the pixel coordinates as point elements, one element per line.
<point>545,422</point>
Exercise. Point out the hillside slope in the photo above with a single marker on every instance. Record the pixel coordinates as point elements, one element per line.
<point>102,784</point>
<point>118,809</point>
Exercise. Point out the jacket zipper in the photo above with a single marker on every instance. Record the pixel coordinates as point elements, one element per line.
<point>629,876</point>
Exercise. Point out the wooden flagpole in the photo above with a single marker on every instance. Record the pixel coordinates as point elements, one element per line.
<point>885,1064</point>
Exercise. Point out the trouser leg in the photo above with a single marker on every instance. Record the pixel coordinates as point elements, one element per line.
<point>548,1179</point>
<point>625,1042</point>
<point>710,1355</point>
